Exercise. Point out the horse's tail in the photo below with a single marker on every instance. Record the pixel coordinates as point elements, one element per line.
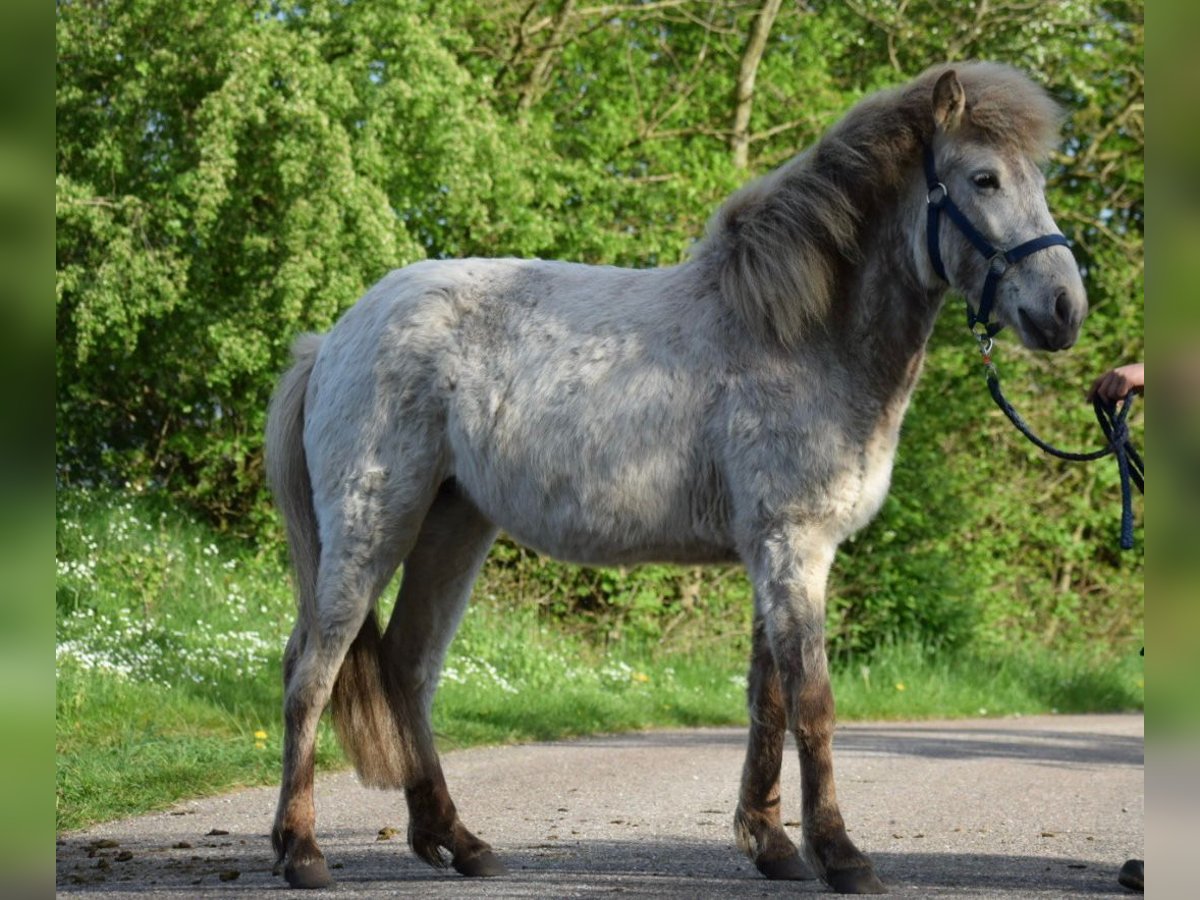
<point>288,478</point>
<point>367,713</point>
<point>363,714</point>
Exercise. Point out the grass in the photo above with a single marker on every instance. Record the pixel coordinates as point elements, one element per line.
<point>169,640</point>
<point>904,682</point>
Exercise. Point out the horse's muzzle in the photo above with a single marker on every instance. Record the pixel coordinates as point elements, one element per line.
<point>1052,325</point>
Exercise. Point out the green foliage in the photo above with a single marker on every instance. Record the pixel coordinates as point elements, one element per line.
<point>641,606</point>
<point>229,175</point>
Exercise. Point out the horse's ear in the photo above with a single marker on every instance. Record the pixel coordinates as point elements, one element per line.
<point>948,101</point>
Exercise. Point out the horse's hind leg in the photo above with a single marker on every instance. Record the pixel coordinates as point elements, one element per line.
<point>757,823</point>
<point>356,561</point>
<point>310,664</point>
<point>438,575</point>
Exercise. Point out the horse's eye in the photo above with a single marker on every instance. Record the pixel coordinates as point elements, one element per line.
<point>985,181</point>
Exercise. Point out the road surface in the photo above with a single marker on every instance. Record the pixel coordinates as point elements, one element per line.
<point>1040,806</point>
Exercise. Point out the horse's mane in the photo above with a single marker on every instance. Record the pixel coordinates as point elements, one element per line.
<point>780,242</point>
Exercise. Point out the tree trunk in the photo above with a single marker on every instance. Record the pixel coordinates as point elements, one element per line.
<point>739,141</point>
<point>541,65</point>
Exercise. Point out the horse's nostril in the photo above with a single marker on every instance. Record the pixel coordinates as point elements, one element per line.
<point>1062,307</point>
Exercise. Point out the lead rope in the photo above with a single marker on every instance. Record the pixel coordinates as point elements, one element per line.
<point>1113,422</point>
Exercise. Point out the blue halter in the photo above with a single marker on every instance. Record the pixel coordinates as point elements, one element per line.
<point>999,260</point>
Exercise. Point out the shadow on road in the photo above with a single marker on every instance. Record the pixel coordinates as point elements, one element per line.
<point>669,869</point>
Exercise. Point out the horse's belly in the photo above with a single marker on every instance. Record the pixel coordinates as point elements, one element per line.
<point>622,520</point>
<point>598,549</point>
<point>598,502</point>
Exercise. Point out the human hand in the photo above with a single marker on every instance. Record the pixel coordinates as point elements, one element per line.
<point>1116,383</point>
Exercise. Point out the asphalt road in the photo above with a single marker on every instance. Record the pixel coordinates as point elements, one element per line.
<point>1046,806</point>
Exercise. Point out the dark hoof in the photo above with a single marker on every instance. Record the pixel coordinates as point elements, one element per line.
<point>787,868</point>
<point>861,880</point>
<point>482,865</point>
<point>312,874</point>
<point>1133,875</point>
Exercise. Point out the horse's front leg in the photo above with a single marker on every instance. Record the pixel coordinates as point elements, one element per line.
<point>789,573</point>
<point>757,824</point>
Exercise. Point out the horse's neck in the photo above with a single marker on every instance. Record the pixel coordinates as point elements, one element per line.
<point>885,314</point>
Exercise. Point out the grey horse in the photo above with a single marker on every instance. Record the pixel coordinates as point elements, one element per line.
<point>742,406</point>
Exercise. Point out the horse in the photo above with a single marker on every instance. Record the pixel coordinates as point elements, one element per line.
<point>743,405</point>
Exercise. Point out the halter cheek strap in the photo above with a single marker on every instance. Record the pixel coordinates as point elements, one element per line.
<point>937,202</point>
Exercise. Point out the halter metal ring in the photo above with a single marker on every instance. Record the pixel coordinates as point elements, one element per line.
<point>938,200</point>
<point>986,343</point>
<point>998,263</point>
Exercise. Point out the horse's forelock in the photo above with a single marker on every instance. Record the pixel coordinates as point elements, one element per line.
<point>1007,108</point>
<point>781,241</point>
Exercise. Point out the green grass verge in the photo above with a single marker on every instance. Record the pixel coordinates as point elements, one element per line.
<point>169,641</point>
<point>905,682</point>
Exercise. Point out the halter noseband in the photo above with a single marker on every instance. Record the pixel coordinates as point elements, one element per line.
<point>937,201</point>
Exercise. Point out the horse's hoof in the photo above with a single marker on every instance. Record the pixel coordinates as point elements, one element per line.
<point>482,865</point>
<point>1133,875</point>
<point>860,880</point>
<point>786,868</point>
<point>312,874</point>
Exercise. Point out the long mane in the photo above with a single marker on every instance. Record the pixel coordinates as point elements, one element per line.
<point>781,242</point>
